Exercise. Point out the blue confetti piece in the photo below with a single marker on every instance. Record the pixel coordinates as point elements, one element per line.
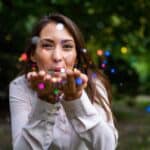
<point>113,70</point>
<point>147,109</point>
<point>107,53</point>
<point>78,81</point>
<point>105,62</point>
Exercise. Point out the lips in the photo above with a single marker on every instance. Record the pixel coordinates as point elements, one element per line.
<point>57,70</point>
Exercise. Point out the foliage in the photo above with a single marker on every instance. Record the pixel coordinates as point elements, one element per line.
<point>105,24</point>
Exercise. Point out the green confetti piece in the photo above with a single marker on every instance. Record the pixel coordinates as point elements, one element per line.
<point>56,91</point>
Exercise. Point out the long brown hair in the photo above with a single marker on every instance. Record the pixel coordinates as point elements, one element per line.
<point>84,62</point>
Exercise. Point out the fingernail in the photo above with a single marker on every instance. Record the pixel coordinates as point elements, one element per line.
<point>47,77</point>
<point>42,72</point>
<point>54,80</point>
<point>29,75</point>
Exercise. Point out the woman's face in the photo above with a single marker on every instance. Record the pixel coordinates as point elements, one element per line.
<point>56,48</point>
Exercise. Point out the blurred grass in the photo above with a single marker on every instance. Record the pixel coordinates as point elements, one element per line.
<point>133,124</point>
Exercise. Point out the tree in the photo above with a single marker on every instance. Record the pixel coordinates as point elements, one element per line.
<point>105,24</point>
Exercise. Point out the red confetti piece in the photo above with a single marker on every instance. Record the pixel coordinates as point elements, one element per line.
<point>23,57</point>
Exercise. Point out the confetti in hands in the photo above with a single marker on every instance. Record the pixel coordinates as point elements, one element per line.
<point>54,86</point>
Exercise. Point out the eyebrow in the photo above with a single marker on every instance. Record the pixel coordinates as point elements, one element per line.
<point>66,40</point>
<point>62,41</point>
<point>47,39</point>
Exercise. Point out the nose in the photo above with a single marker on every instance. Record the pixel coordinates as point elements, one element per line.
<point>57,55</point>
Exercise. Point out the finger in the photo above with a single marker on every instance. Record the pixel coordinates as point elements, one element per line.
<point>55,86</point>
<point>47,89</point>
<point>47,80</point>
<point>39,81</point>
<point>71,81</point>
<point>32,76</point>
<point>81,75</point>
<point>54,82</point>
<point>76,72</point>
<point>63,83</point>
<point>80,80</point>
<point>29,74</point>
<point>41,74</point>
<point>57,77</point>
<point>84,77</point>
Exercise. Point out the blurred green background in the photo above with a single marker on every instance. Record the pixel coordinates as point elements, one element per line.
<point>117,34</point>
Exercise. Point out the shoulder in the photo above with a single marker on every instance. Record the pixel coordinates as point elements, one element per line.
<point>19,87</point>
<point>19,82</point>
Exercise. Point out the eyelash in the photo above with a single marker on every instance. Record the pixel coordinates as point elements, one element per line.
<point>47,46</point>
<point>50,46</point>
<point>67,46</point>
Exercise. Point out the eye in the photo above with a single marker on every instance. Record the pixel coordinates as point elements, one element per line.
<point>68,47</point>
<point>47,45</point>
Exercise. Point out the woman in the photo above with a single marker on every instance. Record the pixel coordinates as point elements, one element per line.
<point>62,101</point>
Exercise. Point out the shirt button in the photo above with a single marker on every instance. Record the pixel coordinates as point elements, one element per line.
<point>46,136</point>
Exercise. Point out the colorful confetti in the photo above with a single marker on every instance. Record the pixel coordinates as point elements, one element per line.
<point>23,57</point>
<point>99,52</point>
<point>35,40</point>
<point>56,91</point>
<point>59,26</point>
<point>78,81</point>
<point>107,53</point>
<point>124,50</point>
<point>41,86</point>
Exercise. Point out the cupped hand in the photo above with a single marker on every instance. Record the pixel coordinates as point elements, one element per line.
<point>45,85</point>
<point>68,86</point>
<point>74,84</point>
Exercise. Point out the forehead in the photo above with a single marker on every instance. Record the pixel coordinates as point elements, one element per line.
<point>53,29</point>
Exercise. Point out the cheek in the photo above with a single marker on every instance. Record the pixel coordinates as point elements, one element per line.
<point>41,62</point>
<point>42,59</point>
<point>70,59</point>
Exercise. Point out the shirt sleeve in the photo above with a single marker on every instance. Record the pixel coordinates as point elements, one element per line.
<point>31,128</point>
<point>90,123</point>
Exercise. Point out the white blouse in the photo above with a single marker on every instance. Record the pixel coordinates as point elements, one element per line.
<point>73,125</point>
